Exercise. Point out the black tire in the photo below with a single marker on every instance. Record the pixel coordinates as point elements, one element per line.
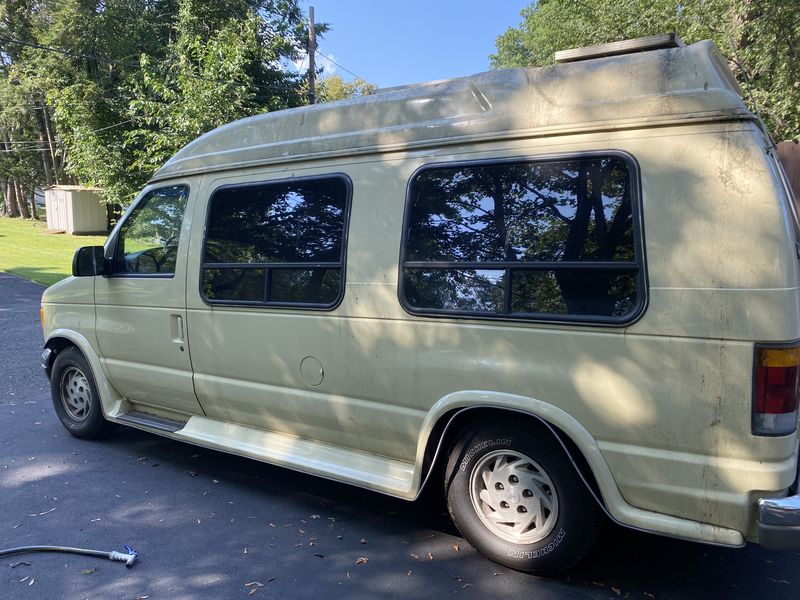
<point>495,449</point>
<point>80,411</point>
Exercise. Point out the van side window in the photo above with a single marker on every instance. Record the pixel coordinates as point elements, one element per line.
<point>277,243</point>
<point>147,243</point>
<point>546,240</point>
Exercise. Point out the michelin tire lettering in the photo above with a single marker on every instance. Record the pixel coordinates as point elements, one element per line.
<point>544,551</point>
<point>481,446</point>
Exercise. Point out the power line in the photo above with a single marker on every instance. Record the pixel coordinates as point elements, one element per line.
<point>104,59</point>
<point>25,150</point>
<point>114,61</point>
<point>39,142</point>
<point>329,59</point>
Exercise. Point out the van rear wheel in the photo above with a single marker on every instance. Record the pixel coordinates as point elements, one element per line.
<point>516,497</point>
<point>75,397</point>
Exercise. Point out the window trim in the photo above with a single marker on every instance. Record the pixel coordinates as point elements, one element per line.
<point>112,247</point>
<point>642,290</point>
<point>348,183</point>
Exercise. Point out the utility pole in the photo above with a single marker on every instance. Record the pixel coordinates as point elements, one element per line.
<point>312,49</point>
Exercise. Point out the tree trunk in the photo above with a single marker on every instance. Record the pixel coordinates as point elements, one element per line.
<point>11,197</point>
<point>48,171</point>
<point>22,203</point>
<point>4,210</point>
<point>34,212</point>
<point>51,143</point>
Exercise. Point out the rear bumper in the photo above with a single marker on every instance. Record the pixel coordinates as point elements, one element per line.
<point>779,520</point>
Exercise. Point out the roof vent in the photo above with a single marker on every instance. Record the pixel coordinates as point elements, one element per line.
<point>643,44</point>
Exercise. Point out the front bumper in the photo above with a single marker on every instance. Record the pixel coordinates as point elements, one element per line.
<point>47,355</point>
<point>779,520</point>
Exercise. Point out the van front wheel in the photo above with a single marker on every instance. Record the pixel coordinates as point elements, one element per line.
<point>75,397</point>
<point>516,497</point>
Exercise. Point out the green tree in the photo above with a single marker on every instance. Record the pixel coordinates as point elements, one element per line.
<point>760,39</point>
<point>333,88</point>
<point>225,63</point>
<point>104,91</point>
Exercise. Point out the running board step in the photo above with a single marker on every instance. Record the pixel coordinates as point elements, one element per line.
<point>138,418</point>
<point>364,469</point>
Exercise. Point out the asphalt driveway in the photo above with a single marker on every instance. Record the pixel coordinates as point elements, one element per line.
<point>210,525</point>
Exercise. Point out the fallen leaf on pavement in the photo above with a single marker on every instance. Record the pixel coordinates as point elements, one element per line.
<point>415,556</point>
<point>88,571</point>
<point>362,560</point>
<point>430,556</point>
<point>314,517</point>
<point>22,562</point>
<point>363,541</point>
<point>456,547</point>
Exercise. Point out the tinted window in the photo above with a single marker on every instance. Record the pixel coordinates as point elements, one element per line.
<point>147,242</point>
<point>540,239</point>
<point>277,243</point>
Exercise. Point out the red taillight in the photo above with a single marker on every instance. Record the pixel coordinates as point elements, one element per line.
<point>775,393</point>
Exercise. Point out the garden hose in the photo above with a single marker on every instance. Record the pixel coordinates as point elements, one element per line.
<point>128,557</point>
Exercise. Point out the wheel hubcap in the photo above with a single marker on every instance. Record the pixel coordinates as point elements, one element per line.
<point>514,497</point>
<point>75,394</point>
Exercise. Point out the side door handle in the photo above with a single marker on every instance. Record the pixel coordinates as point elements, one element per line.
<point>176,329</point>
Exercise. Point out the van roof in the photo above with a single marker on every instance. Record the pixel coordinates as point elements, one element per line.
<point>673,86</point>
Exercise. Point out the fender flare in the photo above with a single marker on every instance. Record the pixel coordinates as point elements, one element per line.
<point>110,400</point>
<point>611,500</point>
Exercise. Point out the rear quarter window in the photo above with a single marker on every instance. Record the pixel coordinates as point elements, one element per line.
<point>554,239</point>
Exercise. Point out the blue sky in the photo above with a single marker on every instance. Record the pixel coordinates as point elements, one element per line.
<point>409,41</point>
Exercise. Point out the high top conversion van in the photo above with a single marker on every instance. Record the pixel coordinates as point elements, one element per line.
<point>561,294</point>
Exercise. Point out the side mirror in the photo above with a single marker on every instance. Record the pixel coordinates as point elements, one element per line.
<point>88,262</point>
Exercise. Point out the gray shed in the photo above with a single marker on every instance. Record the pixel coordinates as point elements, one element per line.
<point>75,209</point>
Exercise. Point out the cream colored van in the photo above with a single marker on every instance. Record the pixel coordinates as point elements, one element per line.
<point>562,295</point>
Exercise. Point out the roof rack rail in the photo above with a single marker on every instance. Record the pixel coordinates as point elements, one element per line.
<point>643,44</point>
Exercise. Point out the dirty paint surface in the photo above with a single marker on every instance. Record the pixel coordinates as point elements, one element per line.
<point>208,525</point>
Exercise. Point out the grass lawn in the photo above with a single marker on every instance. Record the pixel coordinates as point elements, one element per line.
<point>26,250</point>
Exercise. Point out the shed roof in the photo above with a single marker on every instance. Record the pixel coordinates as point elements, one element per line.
<point>73,188</point>
<point>680,85</point>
